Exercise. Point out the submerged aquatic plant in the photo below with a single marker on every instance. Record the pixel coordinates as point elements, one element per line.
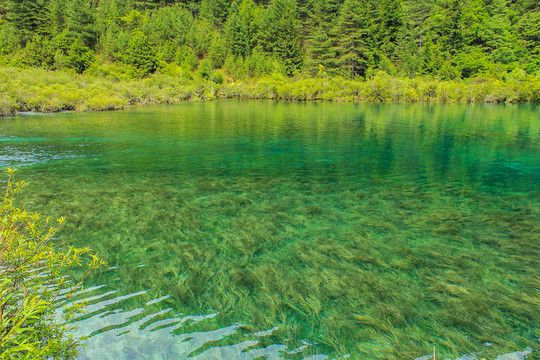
<point>377,231</point>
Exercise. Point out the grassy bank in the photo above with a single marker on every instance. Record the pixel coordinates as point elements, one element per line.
<point>104,89</point>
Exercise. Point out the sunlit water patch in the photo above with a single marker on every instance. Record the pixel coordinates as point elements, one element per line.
<point>248,230</point>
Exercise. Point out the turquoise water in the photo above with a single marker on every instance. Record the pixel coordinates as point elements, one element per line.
<point>262,230</point>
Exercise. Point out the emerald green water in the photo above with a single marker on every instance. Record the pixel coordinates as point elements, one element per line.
<point>261,230</point>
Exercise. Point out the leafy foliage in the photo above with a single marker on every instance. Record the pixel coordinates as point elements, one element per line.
<point>32,277</point>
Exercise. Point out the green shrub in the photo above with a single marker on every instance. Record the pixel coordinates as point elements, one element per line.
<point>218,77</point>
<point>39,52</point>
<point>103,101</point>
<point>32,274</point>
<point>79,56</point>
<point>205,69</point>
<point>115,71</point>
<point>113,86</point>
<point>140,54</point>
<point>7,105</point>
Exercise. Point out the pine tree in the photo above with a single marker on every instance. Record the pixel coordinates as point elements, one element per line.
<point>218,50</point>
<point>321,51</point>
<point>114,41</point>
<point>415,18</point>
<point>108,13</point>
<point>241,28</point>
<point>433,57</point>
<point>406,54</point>
<point>280,33</point>
<point>29,17</point>
<point>80,21</point>
<point>169,25</point>
<point>3,10</point>
<point>215,11</point>
<point>199,37</point>
<point>39,52</point>
<point>57,15</point>
<point>448,25</point>
<point>79,56</point>
<point>140,54</point>
<point>236,32</point>
<point>356,46</point>
<point>524,6</point>
<point>388,25</point>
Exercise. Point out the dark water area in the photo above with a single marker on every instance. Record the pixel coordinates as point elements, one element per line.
<point>263,230</point>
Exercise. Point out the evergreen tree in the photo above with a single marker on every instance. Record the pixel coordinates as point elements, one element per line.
<point>529,31</point>
<point>280,33</point>
<point>388,25</point>
<point>215,11</point>
<point>114,42</point>
<point>525,6</point>
<point>356,45</point>
<point>29,17</point>
<point>57,15</point>
<point>3,11</point>
<point>186,58</point>
<point>218,50</point>
<point>9,39</point>
<point>321,51</point>
<point>448,25</point>
<point>39,52</point>
<point>79,56</point>
<point>236,32</point>
<point>132,20</point>
<point>80,21</point>
<point>140,54</point>
<point>108,13</point>
<point>433,57</point>
<point>241,28</point>
<point>407,53</point>
<point>415,14</point>
<point>169,25</point>
<point>199,36</point>
<point>322,13</point>
<point>205,69</point>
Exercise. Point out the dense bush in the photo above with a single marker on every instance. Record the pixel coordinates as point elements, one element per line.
<point>32,275</point>
<point>110,87</point>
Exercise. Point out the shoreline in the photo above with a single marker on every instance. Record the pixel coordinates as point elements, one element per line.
<point>132,106</point>
<point>42,91</point>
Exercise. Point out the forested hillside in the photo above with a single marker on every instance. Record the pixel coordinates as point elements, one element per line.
<point>443,39</point>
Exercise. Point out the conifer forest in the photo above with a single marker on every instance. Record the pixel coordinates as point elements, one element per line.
<point>419,50</point>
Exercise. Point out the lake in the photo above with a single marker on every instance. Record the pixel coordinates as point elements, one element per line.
<point>265,230</point>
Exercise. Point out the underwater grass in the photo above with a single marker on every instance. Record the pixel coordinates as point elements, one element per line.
<point>360,255</point>
<point>350,287</point>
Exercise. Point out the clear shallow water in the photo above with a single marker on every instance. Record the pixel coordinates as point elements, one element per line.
<point>248,230</point>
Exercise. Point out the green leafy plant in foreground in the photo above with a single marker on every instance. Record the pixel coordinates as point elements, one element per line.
<point>33,278</point>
